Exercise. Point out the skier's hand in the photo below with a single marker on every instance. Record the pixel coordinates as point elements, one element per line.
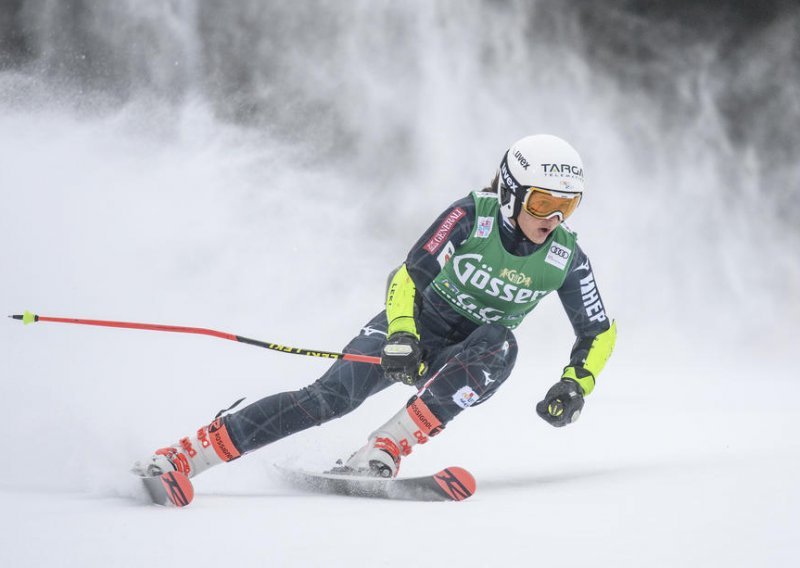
<point>562,404</point>
<point>401,358</point>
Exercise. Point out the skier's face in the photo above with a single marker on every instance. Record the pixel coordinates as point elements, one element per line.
<point>537,230</point>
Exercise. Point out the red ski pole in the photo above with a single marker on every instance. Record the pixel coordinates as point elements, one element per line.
<point>28,317</point>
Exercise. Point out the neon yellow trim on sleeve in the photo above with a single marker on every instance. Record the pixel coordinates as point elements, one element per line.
<point>601,349</point>
<point>599,352</point>
<point>586,382</point>
<point>400,304</point>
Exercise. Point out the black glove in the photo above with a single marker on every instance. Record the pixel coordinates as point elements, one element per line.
<point>562,404</point>
<point>401,358</point>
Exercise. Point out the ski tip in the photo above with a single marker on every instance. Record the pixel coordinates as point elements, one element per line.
<point>456,483</point>
<point>178,488</point>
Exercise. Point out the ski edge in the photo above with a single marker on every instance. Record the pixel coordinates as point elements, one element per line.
<point>448,484</point>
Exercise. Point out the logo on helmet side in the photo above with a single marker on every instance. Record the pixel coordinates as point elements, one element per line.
<point>507,179</point>
<point>521,159</point>
<point>562,169</point>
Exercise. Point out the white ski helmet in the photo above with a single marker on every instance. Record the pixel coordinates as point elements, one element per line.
<point>541,173</point>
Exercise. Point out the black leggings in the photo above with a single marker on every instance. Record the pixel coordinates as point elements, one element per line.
<point>460,375</point>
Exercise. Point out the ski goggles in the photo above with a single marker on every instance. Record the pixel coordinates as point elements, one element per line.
<point>546,203</point>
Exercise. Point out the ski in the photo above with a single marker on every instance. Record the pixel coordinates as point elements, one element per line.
<point>449,484</point>
<point>171,488</point>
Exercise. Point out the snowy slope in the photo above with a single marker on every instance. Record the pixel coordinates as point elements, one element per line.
<point>684,454</point>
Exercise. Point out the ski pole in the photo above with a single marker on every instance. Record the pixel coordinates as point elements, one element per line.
<point>27,317</point>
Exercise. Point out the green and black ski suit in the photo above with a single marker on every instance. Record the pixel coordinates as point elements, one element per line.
<point>474,281</point>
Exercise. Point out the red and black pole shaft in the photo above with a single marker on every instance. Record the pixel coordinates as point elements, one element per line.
<point>28,317</point>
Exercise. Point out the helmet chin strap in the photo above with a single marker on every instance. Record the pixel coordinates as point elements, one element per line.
<point>515,205</point>
<point>513,229</point>
<point>512,203</point>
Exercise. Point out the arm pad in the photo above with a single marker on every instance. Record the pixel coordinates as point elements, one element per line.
<point>400,303</point>
<point>596,358</point>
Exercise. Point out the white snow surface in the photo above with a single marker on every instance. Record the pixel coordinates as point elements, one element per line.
<point>686,453</point>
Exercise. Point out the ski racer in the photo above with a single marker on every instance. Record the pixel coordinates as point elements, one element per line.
<point>473,276</point>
